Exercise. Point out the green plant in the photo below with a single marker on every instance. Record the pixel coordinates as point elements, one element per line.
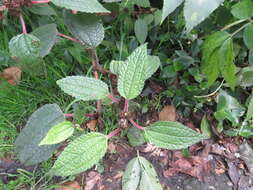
<point>49,126</point>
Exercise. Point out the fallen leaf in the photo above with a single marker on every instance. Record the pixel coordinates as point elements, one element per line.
<point>70,185</point>
<point>233,173</point>
<point>246,154</point>
<point>92,179</point>
<point>92,124</point>
<point>12,75</point>
<point>168,113</point>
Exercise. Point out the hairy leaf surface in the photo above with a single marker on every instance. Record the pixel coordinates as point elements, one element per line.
<point>27,144</point>
<point>86,28</point>
<point>84,88</point>
<point>132,74</point>
<point>81,154</point>
<point>171,135</point>
<point>87,6</point>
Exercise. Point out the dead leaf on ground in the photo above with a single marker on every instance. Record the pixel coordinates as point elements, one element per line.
<point>93,178</point>
<point>168,113</point>
<point>70,185</point>
<point>12,75</point>
<point>92,125</point>
<point>246,154</point>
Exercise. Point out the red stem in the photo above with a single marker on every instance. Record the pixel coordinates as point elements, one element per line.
<point>126,106</point>
<point>114,133</point>
<point>136,125</point>
<point>114,100</point>
<point>68,37</point>
<point>23,24</point>
<point>40,2</point>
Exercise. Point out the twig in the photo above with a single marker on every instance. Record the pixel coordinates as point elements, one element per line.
<point>68,37</point>
<point>213,93</point>
<point>136,125</point>
<point>23,24</point>
<point>89,115</point>
<point>114,133</point>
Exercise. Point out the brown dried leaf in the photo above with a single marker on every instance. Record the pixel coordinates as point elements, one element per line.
<point>92,125</point>
<point>92,179</point>
<point>12,75</point>
<point>168,113</point>
<point>70,185</point>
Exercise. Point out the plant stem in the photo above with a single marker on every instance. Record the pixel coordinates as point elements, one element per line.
<point>234,24</point>
<point>126,106</point>
<point>136,125</point>
<point>239,29</point>
<point>114,100</point>
<point>23,24</point>
<point>68,37</point>
<point>114,133</point>
<point>211,94</point>
<point>40,2</point>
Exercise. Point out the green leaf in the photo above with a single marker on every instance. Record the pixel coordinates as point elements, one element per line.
<point>42,9</point>
<point>58,133</point>
<point>153,64</point>
<point>25,45</point>
<point>81,154</point>
<point>142,3</point>
<point>27,144</point>
<point>247,36</point>
<point>132,74</point>
<point>250,110</point>
<point>135,136</point>
<point>196,11</point>
<point>169,6</point>
<point>48,36</point>
<point>86,28</point>
<point>171,135</point>
<point>212,42</point>
<point>87,6</point>
<point>211,67</point>
<point>149,178</point>
<point>141,30</point>
<point>84,88</point>
<point>132,175</point>
<point>115,66</point>
<point>205,127</point>
<point>243,9</point>
<point>246,76</point>
<point>228,108</point>
<point>226,63</point>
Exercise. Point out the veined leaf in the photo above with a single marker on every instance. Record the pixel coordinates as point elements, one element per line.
<point>115,66</point>
<point>87,6</point>
<point>132,74</point>
<point>25,45</point>
<point>210,55</point>
<point>149,178</point>
<point>84,88</point>
<point>153,64</point>
<point>37,127</point>
<point>171,135</point>
<point>47,35</point>
<point>246,76</point>
<point>132,175</point>
<point>226,63</point>
<point>86,28</point>
<point>58,133</point>
<point>243,9</point>
<point>205,127</point>
<point>81,154</point>
<point>247,36</point>
<point>141,30</point>
<point>169,6</point>
<point>196,11</point>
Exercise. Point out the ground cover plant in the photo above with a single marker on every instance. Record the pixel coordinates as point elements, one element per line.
<point>199,51</point>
